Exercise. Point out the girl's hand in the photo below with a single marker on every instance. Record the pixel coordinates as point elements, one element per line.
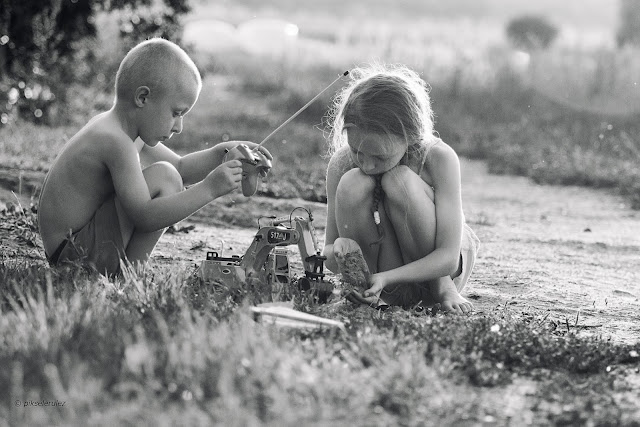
<point>225,178</point>
<point>355,297</point>
<point>377,285</point>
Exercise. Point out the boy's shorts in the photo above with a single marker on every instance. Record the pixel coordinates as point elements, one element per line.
<point>98,244</point>
<point>418,293</point>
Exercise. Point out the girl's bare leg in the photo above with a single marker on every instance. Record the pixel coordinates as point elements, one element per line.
<point>409,204</point>
<point>162,179</point>
<point>354,199</point>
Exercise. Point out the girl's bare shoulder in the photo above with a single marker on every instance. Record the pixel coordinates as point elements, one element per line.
<point>441,164</point>
<point>442,154</point>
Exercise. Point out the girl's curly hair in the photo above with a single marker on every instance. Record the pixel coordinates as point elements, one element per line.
<point>385,99</point>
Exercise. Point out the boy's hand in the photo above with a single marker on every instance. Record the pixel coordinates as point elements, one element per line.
<point>245,149</point>
<point>226,177</point>
<point>254,164</point>
<point>257,159</point>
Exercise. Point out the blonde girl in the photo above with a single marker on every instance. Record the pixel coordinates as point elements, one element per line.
<point>393,190</point>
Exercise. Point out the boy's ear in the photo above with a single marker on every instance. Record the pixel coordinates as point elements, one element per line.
<point>142,95</point>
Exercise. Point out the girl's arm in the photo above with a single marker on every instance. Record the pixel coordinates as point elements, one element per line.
<point>444,166</point>
<point>335,170</point>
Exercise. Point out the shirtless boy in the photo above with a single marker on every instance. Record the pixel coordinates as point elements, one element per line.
<point>98,204</point>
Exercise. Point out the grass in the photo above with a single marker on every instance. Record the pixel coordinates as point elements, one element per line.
<point>151,348</point>
<point>156,347</point>
<point>555,145</point>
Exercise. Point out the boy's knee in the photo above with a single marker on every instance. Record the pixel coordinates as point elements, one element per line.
<point>354,186</point>
<point>163,179</point>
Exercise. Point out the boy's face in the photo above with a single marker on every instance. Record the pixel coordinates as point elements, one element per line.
<point>163,113</point>
<point>374,153</point>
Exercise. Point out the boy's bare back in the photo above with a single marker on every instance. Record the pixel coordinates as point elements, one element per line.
<point>79,181</point>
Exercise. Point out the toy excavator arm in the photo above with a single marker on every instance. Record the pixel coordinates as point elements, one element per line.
<point>311,259</point>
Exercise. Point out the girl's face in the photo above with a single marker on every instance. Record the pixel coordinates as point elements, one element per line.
<point>374,153</point>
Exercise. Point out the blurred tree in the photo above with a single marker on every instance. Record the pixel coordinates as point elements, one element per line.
<point>45,46</point>
<point>629,30</point>
<point>38,39</point>
<point>531,32</point>
<point>142,19</point>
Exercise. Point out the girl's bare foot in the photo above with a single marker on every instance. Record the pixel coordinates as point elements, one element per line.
<point>444,292</point>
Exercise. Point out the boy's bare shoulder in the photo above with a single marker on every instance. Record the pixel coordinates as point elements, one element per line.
<point>105,126</point>
<point>104,134</point>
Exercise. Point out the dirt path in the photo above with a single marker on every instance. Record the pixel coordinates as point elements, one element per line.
<point>569,251</point>
<point>567,256</point>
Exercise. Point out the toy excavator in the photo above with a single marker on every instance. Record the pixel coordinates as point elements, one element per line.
<point>268,263</point>
<point>263,261</point>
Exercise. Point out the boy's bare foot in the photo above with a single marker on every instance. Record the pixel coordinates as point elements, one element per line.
<point>444,292</point>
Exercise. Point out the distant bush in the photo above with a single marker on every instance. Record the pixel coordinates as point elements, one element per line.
<point>629,30</point>
<point>551,144</point>
<point>531,32</point>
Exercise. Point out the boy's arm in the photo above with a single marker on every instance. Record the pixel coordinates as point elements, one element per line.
<point>147,214</point>
<point>195,166</point>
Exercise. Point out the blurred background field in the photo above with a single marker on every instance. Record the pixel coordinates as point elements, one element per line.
<point>560,110</point>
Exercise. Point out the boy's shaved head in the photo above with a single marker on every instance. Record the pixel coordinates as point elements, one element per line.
<point>156,63</point>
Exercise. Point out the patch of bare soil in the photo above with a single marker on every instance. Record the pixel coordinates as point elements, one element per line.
<point>569,252</point>
<point>568,255</point>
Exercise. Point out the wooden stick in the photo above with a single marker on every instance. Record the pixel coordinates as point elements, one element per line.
<point>291,314</point>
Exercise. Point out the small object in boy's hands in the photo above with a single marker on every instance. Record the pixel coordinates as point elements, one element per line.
<point>249,178</point>
<point>354,269</point>
<point>252,166</point>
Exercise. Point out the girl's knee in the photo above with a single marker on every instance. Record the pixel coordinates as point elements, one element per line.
<point>401,185</point>
<point>163,179</point>
<point>354,187</point>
